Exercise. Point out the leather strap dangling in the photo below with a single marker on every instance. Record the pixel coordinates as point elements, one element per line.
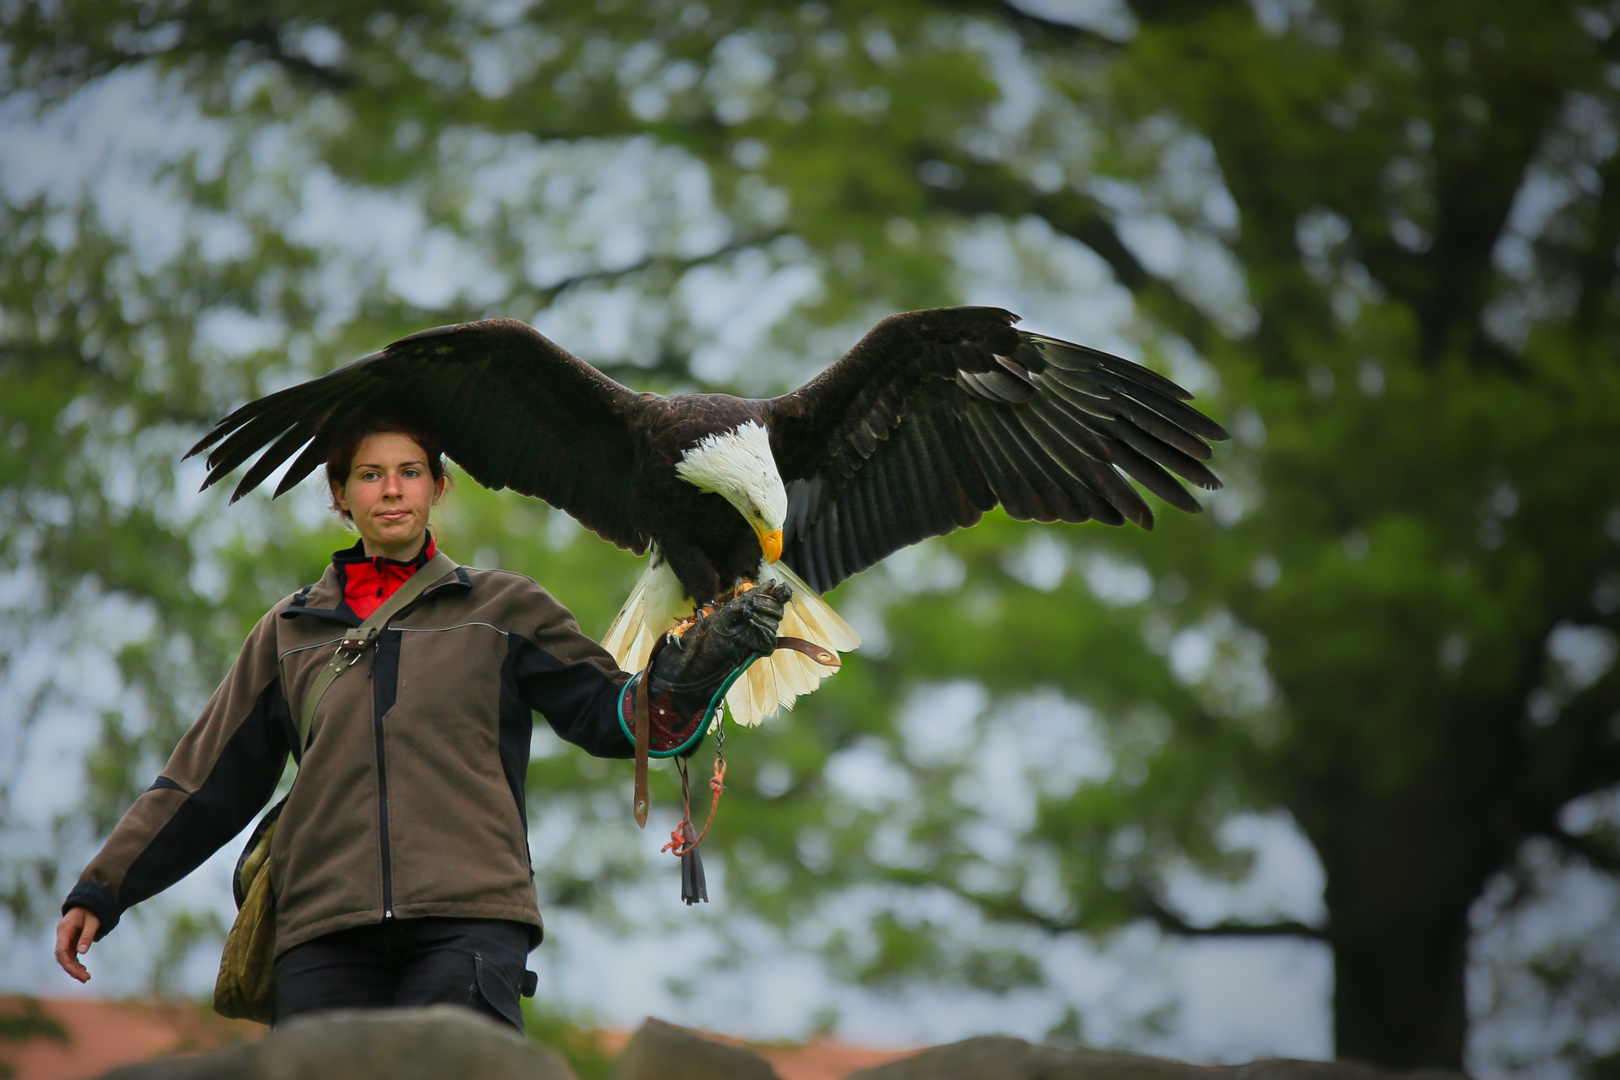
<point>643,722</point>
<point>823,656</point>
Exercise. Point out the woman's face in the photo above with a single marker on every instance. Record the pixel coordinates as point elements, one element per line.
<point>389,492</point>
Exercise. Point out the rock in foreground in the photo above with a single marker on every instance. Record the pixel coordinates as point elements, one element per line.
<point>663,1051</point>
<point>450,1043</point>
<point>995,1057</point>
<point>443,1042</point>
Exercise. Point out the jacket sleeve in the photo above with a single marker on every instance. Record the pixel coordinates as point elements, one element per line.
<point>221,774</point>
<point>571,680</point>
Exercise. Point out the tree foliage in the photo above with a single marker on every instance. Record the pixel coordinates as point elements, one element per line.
<point>1380,238</point>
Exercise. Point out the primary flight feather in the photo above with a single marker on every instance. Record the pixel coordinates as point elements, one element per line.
<point>933,418</point>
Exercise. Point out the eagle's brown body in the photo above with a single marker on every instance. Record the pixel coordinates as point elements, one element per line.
<point>706,543</point>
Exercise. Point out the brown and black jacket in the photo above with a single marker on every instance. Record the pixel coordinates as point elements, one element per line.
<point>409,799</point>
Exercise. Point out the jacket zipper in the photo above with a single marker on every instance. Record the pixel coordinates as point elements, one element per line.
<point>382,776</point>
<point>382,816</point>
<point>382,780</point>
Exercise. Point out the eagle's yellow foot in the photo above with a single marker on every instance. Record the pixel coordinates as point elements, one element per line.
<point>742,586</point>
<point>680,628</point>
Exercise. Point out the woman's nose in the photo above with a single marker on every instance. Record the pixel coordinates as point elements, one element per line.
<point>391,484</point>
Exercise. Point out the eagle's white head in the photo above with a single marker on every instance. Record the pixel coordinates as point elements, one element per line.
<point>737,465</point>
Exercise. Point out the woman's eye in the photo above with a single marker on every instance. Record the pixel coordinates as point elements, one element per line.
<point>412,474</point>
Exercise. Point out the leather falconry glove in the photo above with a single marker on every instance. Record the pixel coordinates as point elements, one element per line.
<point>687,673</point>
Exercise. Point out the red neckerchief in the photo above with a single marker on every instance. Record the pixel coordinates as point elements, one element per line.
<point>368,582</point>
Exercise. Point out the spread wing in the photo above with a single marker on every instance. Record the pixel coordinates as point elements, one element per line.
<point>937,416</point>
<point>510,407</point>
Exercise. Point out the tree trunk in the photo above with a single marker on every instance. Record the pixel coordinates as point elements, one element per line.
<point>1403,868</point>
<point>1398,995</point>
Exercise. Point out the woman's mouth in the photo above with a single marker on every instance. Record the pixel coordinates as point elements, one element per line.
<point>394,515</point>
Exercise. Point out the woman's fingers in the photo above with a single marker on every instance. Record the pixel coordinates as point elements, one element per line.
<point>74,936</point>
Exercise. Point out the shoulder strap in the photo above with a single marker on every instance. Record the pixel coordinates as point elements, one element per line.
<point>358,638</point>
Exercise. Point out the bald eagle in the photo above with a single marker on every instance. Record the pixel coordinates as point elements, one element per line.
<point>933,418</point>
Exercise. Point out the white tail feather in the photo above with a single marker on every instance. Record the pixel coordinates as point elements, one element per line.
<point>658,602</point>
<point>775,682</point>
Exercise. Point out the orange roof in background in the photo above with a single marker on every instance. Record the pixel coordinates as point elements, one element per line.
<point>105,1034</point>
<point>826,1060</point>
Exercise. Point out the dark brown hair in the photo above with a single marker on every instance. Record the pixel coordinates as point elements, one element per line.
<point>343,447</point>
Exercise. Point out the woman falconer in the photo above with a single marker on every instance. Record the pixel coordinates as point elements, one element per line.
<point>400,865</point>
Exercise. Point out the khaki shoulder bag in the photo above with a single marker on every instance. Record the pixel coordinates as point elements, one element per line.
<point>246,986</point>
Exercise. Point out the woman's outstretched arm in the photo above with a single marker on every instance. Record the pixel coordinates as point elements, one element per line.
<point>221,774</point>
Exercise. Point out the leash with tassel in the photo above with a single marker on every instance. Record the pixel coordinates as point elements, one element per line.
<point>684,838</point>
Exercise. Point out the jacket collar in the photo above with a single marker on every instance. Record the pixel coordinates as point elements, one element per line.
<point>324,598</point>
<point>356,556</point>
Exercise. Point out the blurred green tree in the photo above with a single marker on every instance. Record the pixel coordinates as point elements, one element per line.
<point>1383,236</point>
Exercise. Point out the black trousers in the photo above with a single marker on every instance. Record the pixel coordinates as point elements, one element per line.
<point>476,963</point>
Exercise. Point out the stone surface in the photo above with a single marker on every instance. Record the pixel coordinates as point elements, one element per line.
<point>1294,1069</point>
<point>661,1051</point>
<point>998,1057</point>
<point>995,1057</point>
<point>456,1044</point>
<point>435,1043</point>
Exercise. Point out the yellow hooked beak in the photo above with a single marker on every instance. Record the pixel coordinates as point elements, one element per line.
<point>770,543</point>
